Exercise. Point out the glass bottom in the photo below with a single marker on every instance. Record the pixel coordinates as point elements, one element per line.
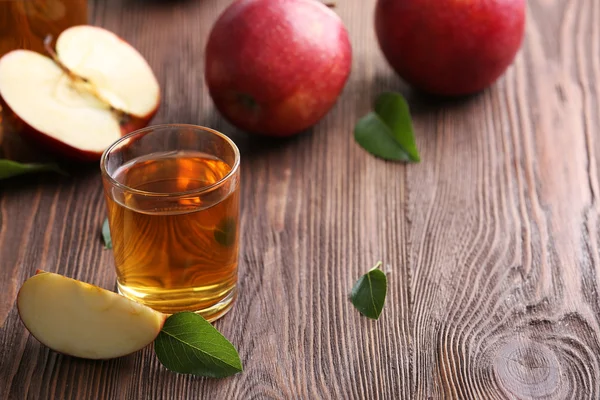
<point>176,303</point>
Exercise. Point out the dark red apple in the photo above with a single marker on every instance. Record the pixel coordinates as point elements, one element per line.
<point>276,67</point>
<point>450,47</point>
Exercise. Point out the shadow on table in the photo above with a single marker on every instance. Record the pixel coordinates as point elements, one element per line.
<point>252,145</point>
<point>161,3</point>
<point>17,149</point>
<point>420,102</point>
<point>75,172</point>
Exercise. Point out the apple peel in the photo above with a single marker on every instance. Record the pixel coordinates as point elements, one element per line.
<point>83,320</point>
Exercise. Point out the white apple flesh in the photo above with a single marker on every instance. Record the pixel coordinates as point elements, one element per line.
<point>117,70</point>
<point>77,117</point>
<point>83,320</point>
<point>42,96</point>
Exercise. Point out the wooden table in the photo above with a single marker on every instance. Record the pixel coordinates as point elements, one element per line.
<point>491,242</point>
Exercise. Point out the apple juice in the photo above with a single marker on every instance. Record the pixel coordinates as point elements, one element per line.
<point>178,252</point>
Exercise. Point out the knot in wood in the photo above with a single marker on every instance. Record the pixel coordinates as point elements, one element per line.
<point>527,369</point>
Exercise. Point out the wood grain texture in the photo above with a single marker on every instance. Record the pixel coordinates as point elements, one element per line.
<point>491,243</point>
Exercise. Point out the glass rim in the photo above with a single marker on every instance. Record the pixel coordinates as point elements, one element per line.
<point>137,132</point>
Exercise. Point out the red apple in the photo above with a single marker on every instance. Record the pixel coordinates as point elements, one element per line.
<point>276,67</point>
<point>94,89</point>
<point>450,47</point>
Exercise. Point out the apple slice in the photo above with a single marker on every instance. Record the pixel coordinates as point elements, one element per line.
<point>83,320</point>
<point>94,89</point>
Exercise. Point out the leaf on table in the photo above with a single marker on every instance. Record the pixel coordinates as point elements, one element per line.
<point>9,168</point>
<point>106,235</point>
<point>368,293</point>
<point>188,344</point>
<point>387,132</point>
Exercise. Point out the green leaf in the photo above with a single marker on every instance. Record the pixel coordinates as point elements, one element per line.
<point>387,132</point>
<point>9,168</point>
<point>188,344</point>
<point>106,235</point>
<point>225,234</point>
<point>368,293</point>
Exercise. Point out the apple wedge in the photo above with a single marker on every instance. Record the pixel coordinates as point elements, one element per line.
<point>83,97</point>
<point>83,320</point>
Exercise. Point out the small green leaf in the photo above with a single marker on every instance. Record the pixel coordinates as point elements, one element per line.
<point>9,168</point>
<point>225,233</point>
<point>368,293</point>
<point>188,344</point>
<point>387,132</point>
<point>106,235</point>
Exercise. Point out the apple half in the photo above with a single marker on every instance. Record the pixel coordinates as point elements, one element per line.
<point>83,320</point>
<point>83,97</point>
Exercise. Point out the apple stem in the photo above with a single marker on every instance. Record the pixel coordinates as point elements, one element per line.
<point>121,115</point>
<point>330,4</point>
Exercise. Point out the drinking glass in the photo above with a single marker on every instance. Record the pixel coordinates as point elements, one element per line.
<point>172,195</point>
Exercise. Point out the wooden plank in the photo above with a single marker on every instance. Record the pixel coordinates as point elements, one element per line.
<point>504,218</point>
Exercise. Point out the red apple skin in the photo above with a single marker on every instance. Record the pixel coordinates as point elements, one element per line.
<point>62,149</point>
<point>276,67</point>
<point>450,47</point>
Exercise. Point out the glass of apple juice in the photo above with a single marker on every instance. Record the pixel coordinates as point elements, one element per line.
<point>172,194</point>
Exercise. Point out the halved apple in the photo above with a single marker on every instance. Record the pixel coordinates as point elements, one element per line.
<point>83,320</point>
<point>78,101</point>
